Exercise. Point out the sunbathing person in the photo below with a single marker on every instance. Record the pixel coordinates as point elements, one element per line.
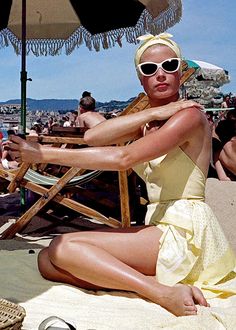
<point>225,161</point>
<point>6,161</point>
<point>181,247</point>
<point>87,116</point>
<point>224,148</point>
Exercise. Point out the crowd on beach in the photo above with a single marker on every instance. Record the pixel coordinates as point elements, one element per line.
<point>223,125</point>
<point>76,118</point>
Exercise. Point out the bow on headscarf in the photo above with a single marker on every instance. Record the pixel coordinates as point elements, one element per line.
<point>150,40</point>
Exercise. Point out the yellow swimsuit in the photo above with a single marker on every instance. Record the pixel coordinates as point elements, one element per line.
<point>193,248</point>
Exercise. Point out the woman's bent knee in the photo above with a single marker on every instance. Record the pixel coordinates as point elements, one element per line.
<point>49,256</point>
<point>52,256</point>
<point>44,263</point>
<point>57,249</point>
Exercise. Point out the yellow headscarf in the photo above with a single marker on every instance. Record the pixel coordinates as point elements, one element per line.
<point>150,40</point>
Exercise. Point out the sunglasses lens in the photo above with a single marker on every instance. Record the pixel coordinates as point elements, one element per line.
<point>170,65</point>
<point>148,68</point>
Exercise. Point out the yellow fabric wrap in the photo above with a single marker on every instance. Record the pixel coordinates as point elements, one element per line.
<point>193,248</point>
<point>149,40</point>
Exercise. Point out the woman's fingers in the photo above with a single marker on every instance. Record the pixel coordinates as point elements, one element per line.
<point>14,154</point>
<point>16,139</point>
<point>14,146</point>
<point>190,103</point>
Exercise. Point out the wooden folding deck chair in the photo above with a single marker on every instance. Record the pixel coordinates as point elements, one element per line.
<point>38,183</point>
<point>35,182</point>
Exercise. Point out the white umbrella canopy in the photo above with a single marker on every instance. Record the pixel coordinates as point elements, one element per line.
<point>209,72</point>
<point>206,81</point>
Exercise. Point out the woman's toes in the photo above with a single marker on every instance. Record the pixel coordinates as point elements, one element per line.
<point>187,313</point>
<point>198,296</point>
<point>189,306</point>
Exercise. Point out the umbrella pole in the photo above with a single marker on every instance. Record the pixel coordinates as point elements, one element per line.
<point>23,79</point>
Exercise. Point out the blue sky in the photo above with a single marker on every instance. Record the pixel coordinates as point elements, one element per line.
<point>206,32</point>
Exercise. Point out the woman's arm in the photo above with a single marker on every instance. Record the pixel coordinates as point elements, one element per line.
<point>176,131</point>
<point>125,128</point>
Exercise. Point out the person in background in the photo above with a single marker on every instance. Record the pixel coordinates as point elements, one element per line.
<point>1,140</point>
<point>181,250</point>
<point>6,160</point>
<point>66,121</point>
<point>226,102</point>
<point>88,117</point>
<point>50,124</point>
<point>45,129</point>
<point>36,129</point>
<point>86,93</point>
<point>210,118</point>
<point>224,148</point>
<point>73,118</point>
<point>87,103</point>
<point>224,105</point>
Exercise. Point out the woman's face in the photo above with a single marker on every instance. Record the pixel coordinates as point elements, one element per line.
<point>162,87</point>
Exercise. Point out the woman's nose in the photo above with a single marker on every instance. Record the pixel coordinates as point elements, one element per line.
<point>160,74</point>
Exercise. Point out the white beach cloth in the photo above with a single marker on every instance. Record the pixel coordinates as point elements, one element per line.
<point>21,282</point>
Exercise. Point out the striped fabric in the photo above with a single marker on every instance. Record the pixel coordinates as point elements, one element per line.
<point>41,179</point>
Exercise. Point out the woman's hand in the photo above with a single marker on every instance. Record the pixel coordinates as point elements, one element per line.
<point>166,111</point>
<point>21,150</point>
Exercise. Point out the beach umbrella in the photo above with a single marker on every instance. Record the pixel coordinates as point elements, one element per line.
<point>47,27</point>
<point>205,80</point>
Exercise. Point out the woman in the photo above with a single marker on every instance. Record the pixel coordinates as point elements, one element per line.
<point>181,243</point>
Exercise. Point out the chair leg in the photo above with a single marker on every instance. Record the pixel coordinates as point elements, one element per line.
<point>47,195</point>
<point>124,199</point>
<point>51,193</point>
<point>19,176</point>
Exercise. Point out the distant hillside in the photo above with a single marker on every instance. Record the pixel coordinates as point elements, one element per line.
<point>47,104</point>
<point>64,105</point>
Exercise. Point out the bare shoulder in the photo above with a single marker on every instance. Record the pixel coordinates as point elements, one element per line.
<point>190,118</point>
<point>193,113</point>
<point>198,137</point>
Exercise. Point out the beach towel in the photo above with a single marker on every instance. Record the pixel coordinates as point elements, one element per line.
<point>21,282</point>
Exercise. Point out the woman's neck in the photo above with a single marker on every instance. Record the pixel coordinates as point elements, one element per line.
<point>160,102</point>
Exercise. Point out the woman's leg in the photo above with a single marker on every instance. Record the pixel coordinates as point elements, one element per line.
<point>122,259</point>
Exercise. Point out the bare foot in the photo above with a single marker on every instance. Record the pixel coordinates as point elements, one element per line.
<point>179,300</point>
<point>198,297</point>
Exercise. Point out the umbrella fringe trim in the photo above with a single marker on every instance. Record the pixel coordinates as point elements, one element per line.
<point>145,24</point>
